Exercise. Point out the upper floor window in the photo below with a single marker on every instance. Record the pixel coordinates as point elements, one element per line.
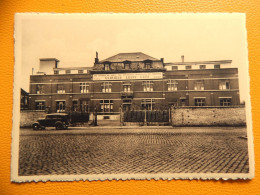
<point>225,101</point>
<point>39,89</point>
<point>174,67</point>
<point>172,85</point>
<point>84,88</point>
<point>217,66</point>
<point>68,71</point>
<point>56,72</point>
<point>40,105</point>
<point>148,85</point>
<point>200,101</point>
<point>188,67</point>
<point>126,87</point>
<point>127,66</point>
<point>106,87</point>
<point>60,88</point>
<point>80,71</point>
<point>107,67</point>
<point>199,85</point>
<point>202,66</point>
<point>224,84</point>
<point>147,65</point>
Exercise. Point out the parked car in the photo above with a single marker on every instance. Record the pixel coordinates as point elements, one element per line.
<point>58,120</point>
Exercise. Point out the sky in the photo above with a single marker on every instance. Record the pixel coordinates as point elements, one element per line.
<point>75,38</point>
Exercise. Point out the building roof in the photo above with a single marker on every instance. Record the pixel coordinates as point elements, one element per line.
<point>49,59</point>
<point>23,92</point>
<point>74,68</point>
<point>136,56</point>
<point>199,62</point>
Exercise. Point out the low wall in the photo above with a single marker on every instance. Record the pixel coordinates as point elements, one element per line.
<point>208,116</point>
<point>144,124</point>
<point>28,117</point>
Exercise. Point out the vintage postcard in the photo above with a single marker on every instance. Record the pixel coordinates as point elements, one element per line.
<point>131,96</point>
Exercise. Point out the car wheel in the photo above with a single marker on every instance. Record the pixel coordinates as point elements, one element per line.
<point>36,127</point>
<point>59,126</point>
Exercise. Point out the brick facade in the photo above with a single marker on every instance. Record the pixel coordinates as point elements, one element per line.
<point>88,92</point>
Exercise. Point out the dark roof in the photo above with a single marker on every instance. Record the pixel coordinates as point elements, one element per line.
<point>49,59</point>
<point>136,56</point>
<point>74,68</point>
<point>23,92</point>
<point>200,62</point>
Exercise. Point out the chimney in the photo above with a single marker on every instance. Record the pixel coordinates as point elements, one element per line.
<point>162,59</point>
<point>182,58</point>
<point>96,59</point>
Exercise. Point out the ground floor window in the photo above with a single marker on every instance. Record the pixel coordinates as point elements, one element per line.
<point>60,106</point>
<point>74,105</point>
<point>148,104</point>
<point>183,101</point>
<point>225,101</point>
<point>40,105</point>
<point>200,101</point>
<point>83,106</point>
<point>106,105</point>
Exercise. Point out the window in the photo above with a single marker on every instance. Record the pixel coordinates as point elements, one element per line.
<point>225,101</point>
<point>83,106</point>
<point>106,105</point>
<point>127,66</point>
<point>183,101</point>
<point>217,66</point>
<point>60,88</point>
<point>172,85</point>
<point>60,106</point>
<point>80,71</point>
<point>200,101</point>
<point>67,71</point>
<point>56,72</point>
<point>148,85</point>
<point>224,84</point>
<point>174,67</point>
<point>74,105</point>
<point>106,87</point>
<point>147,65</point>
<point>84,88</point>
<point>127,87</point>
<point>148,104</point>
<point>202,66</point>
<point>107,67</point>
<point>39,89</point>
<point>40,105</point>
<point>199,85</point>
<point>188,67</point>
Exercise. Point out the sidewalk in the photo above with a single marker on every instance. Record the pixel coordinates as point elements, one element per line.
<point>133,130</point>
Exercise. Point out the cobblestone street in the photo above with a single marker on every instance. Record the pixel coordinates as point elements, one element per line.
<point>150,150</point>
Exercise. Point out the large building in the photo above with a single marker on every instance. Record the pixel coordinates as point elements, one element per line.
<point>133,81</point>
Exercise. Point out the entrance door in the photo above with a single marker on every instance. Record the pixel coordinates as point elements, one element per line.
<point>84,105</point>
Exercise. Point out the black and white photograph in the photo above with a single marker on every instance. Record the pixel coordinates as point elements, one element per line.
<point>106,96</point>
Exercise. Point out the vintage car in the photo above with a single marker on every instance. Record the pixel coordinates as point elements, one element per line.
<point>58,120</point>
